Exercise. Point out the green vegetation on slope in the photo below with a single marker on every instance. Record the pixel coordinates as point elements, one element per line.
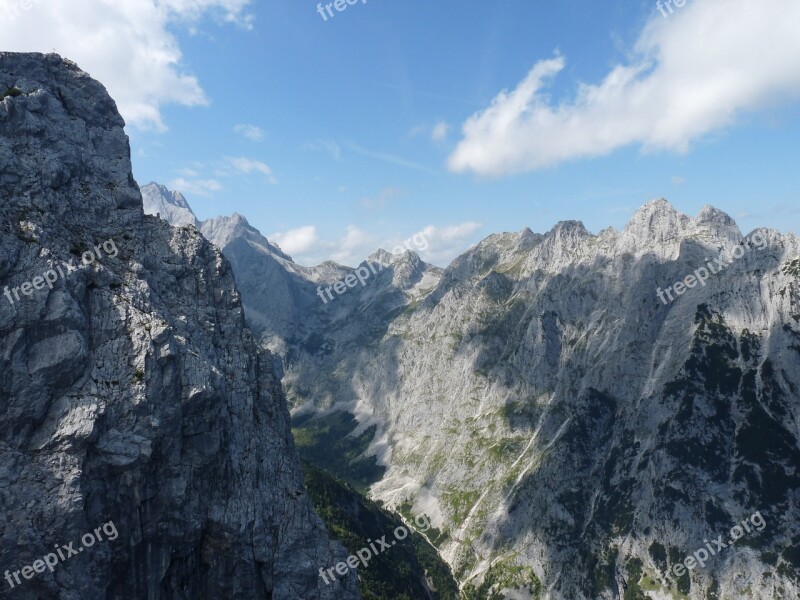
<point>504,575</point>
<point>410,570</point>
<point>326,443</point>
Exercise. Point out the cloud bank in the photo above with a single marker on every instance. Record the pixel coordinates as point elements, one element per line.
<point>692,74</point>
<point>125,44</point>
<point>308,248</point>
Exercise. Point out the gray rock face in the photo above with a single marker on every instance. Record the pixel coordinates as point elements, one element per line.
<point>170,206</point>
<point>132,391</point>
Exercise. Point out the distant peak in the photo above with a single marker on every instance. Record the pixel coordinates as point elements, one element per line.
<point>656,226</point>
<point>238,219</point>
<point>571,227</point>
<point>381,256</point>
<point>654,214</point>
<point>169,205</point>
<point>718,224</point>
<point>654,207</point>
<point>708,215</point>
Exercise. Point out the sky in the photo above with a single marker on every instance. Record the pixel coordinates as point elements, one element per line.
<point>336,135</point>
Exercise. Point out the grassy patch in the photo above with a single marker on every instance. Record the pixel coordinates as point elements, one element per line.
<point>326,443</point>
<point>504,575</point>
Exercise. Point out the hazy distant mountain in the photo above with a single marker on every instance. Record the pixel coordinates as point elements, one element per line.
<point>571,433</point>
<point>170,206</point>
<point>285,302</point>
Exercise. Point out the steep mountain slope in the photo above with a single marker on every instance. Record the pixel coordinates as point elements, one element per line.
<point>553,413</point>
<point>409,570</point>
<point>575,422</point>
<point>275,291</point>
<point>130,389</point>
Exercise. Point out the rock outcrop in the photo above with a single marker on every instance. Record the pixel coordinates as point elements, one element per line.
<point>130,389</point>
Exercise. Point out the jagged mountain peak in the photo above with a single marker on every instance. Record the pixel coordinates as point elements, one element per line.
<point>527,236</point>
<point>387,258</point>
<point>569,235</point>
<point>381,256</point>
<point>170,205</point>
<point>656,227</point>
<point>711,214</point>
<point>655,217</point>
<point>173,207</point>
<point>718,224</point>
<point>224,230</point>
<point>176,198</point>
<point>570,227</point>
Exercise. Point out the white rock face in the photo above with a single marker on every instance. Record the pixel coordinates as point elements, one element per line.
<point>562,424</point>
<point>132,391</point>
<point>170,206</point>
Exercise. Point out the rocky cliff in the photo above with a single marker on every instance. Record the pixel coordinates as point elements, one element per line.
<point>578,413</point>
<point>571,431</point>
<point>130,389</point>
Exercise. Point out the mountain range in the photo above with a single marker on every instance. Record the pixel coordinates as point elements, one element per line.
<point>575,412</point>
<point>576,415</point>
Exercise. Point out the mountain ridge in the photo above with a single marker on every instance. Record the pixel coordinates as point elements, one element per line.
<point>539,364</point>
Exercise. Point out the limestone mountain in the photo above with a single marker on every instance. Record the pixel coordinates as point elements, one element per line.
<point>131,390</point>
<point>573,432</point>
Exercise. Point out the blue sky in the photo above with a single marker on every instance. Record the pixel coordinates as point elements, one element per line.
<point>336,136</point>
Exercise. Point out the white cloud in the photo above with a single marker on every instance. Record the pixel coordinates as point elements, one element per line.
<point>250,165</point>
<point>448,242</point>
<point>328,146</point>
<point>196,187</point>
<point>417,130</point>
<point>296,241</point>
<point>678,180</point>
<point>452,233</point>
<point>381,200</point>
<point>307,248</point>
<point>437,245</point>
<point>440,131</point>
<point>356,245</point>
<point>125,44</point>
<point>251,132</point>
<point>693,73</point>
